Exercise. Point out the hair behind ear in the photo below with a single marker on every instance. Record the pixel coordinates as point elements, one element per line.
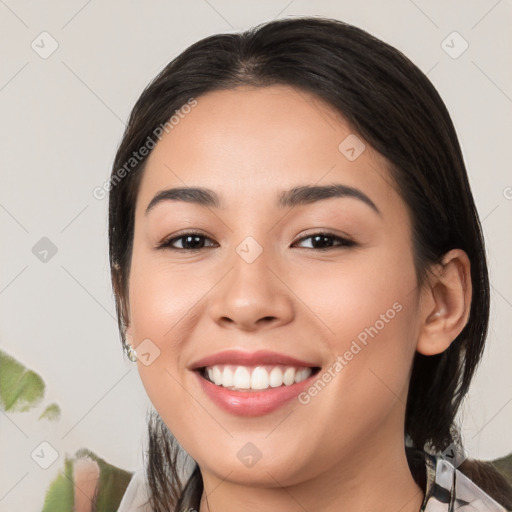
<point>120,300</point>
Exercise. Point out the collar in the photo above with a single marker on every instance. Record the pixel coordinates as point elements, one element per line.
<point>449,490</point>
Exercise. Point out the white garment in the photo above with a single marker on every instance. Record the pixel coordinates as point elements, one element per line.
<point>136,495</point>
<point>450,490</point>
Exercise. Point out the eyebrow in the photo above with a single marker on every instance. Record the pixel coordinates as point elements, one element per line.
<point>297,196</point>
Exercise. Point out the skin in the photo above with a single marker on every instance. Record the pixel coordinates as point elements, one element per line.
<point>86,475</point>
<point>344,449</point>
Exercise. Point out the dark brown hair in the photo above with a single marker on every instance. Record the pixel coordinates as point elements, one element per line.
<point>389,103</point>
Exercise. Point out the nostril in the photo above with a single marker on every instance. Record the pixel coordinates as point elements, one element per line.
<point>267,319</point>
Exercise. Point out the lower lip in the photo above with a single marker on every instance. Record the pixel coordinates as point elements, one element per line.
<point>252,403</point>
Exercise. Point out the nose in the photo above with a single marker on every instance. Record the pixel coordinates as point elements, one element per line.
<point>252,295</point>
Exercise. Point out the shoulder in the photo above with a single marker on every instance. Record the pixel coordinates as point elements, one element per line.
<point>136,496</point>
<point>451,490</point>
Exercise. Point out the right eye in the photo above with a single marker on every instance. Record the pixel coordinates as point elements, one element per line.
<point>191,241</point>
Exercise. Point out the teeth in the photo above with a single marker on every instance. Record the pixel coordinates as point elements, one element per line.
<point>217,376</point>
<point>276,377</point>
<point>260,378</point>
<point>241,379</point>
<point>228,377</point>
<point>302,374</point>
<point>289,376</point>
<point>256,378</point>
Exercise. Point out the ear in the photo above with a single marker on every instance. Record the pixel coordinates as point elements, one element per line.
<point>445,303</point>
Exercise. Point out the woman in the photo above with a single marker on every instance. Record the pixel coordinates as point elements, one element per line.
<point>300,273</point>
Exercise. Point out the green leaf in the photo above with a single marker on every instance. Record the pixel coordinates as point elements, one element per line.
<point>20,389</point>
<point>60,496</point>
<point>52,413</point>
<point>112,485</point>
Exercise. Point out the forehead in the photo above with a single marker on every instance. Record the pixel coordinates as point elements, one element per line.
<point>248,142</point>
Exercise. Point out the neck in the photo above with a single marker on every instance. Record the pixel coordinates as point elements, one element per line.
<point>378,479</point>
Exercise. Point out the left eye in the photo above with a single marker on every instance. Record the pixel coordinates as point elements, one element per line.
<point>196,241</point>
<point>324,241</point>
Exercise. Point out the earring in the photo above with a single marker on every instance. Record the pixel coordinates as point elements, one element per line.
<point>132,355</point>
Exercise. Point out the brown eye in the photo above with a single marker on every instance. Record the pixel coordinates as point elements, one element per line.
<point>326,241</point>
<point>189,242</point>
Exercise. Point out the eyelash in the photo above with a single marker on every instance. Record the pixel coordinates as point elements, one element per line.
<point>167,243</point>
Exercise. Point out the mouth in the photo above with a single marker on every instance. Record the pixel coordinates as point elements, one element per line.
<point>253,383</point>
<point>255,378</point>
<point>251,391</point>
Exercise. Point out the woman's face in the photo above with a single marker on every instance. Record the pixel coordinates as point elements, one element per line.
<point>254,277</point>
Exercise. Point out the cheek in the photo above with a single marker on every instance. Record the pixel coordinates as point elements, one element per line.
<point>364,289</point>
<point>161,296</point>
<point>368,378</point>
<point>370,310</point>
<point>160,304</point>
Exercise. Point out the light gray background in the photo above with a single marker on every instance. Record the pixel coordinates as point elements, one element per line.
<point>61,120</point>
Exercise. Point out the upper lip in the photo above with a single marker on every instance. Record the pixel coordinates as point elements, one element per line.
<point>260,357</point>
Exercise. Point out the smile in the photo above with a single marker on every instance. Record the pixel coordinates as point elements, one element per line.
<point>246,383</point>
<point>255,378</point>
